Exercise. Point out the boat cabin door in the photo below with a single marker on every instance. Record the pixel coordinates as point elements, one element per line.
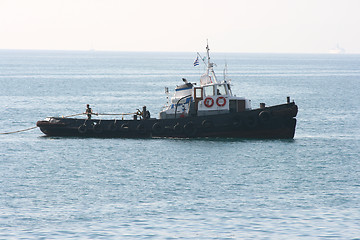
<point>198,96</point>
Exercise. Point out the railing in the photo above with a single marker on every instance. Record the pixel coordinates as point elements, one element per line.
<point>179,101</point>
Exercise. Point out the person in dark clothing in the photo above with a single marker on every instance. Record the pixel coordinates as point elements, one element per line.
<point>88,111</point>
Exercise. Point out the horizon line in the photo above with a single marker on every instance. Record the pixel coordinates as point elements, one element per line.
<point>162,51</point>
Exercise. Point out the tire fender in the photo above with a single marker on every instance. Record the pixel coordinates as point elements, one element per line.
<point>157,128</point>
<point>82,129</point>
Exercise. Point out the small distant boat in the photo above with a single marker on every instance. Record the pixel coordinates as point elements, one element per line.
<point>195,111</point>
<point>337,50</point>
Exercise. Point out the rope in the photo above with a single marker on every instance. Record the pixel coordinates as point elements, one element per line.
<point>23,130</point>
<point>111,114</point>
<point>73,115</point>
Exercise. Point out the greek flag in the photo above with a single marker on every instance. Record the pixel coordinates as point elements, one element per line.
<point>196,62</point>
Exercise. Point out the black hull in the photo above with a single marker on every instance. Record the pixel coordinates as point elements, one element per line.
<point>277,122</point>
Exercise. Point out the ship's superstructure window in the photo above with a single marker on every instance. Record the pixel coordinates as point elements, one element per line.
<point>221,90</point>
<point>198,92</point>
<point>209,90</point>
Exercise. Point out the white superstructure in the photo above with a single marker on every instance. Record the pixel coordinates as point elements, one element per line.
<point>210,98</point>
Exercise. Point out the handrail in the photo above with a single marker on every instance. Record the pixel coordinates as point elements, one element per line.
<point>179,101</point>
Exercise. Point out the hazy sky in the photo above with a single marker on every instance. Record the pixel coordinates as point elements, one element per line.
<point>309,26</point>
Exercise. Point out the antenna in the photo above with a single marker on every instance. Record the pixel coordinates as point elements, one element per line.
<point>225,71</point>
<point>167,95</point>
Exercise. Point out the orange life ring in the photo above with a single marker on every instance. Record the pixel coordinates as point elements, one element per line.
<point>218,101</point>
<point>208,102</point>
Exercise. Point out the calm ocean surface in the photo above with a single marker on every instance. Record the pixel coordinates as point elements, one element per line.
<point>74,188</point>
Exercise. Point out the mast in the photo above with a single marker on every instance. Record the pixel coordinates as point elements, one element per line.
<point>210,65</point>
<point>208,55</point>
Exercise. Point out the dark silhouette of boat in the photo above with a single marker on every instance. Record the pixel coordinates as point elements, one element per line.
<point>207,110</point>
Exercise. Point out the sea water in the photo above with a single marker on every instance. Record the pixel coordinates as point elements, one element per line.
<point>215,188</point>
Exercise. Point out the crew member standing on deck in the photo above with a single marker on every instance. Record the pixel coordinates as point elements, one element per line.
<point>88,111</point>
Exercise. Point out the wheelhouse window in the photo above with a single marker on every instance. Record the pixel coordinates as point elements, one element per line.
<point>221,90</point>
<point>198,92</point>
<point>209,91</point>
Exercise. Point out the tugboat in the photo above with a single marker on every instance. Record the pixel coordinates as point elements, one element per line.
<point>195,111</point>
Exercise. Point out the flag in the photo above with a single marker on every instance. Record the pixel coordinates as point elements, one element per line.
<point>196,62</point>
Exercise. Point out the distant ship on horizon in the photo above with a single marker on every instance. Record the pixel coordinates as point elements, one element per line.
<point>337,50</point>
